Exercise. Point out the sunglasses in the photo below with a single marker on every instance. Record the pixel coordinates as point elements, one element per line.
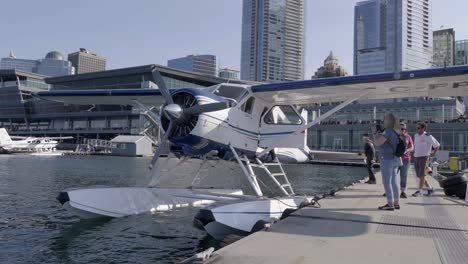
<point>403,129</point>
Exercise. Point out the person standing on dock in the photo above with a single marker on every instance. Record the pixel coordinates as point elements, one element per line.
<point>387,141</point>
<point>406,159</point>
<point>423,145</point>
<point>369,151</point>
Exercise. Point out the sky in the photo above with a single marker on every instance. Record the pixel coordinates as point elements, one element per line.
<point>139,32</point>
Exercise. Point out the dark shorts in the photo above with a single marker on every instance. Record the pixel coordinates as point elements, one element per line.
<point>420,164</point>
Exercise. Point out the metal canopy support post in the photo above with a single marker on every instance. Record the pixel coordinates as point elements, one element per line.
<point>318,120</point>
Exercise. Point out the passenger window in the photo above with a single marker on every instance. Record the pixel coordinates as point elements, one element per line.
<point>248,106</point>
<point>282,115</point>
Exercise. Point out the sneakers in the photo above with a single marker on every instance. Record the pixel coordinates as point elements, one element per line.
<point>397,206</point>
<point>370,182</point>
<point>417,194</point>
<point>430,192</point>
<point>386,207</point>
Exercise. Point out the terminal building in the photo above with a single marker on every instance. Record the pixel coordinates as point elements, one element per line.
<point>23,115</point>
<point>343,131</point>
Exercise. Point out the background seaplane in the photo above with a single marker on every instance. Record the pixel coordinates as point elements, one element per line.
<point>237,125</point>
<point>28,144</point>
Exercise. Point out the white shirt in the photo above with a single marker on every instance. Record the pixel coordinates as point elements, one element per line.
<point>423,144</point>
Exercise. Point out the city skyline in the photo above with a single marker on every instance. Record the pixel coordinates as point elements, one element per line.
<point>132,35</point>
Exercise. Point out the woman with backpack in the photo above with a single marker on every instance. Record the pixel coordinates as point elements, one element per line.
<point>388,143</point>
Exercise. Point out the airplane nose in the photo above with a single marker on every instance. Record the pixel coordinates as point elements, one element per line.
<point>63,197</point>
<point>173,111</point>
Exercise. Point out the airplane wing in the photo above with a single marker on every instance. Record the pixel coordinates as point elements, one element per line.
<point>59,137</point>
<point>147,97</point>
<point>438,82</point>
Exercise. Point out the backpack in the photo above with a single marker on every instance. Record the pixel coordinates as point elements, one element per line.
<point>400,149</point>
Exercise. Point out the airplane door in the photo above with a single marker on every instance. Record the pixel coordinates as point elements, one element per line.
<point>243,120</point>
<point>278,123</point>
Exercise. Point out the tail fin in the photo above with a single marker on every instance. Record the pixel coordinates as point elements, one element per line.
<point>4,137</point>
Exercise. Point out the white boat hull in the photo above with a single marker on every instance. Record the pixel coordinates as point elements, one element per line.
<point>242,218</point>
<point>119,202</point>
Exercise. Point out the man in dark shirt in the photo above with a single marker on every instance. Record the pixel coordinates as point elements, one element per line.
<point>369,151</point>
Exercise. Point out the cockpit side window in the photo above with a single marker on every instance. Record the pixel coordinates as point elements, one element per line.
<point>248,105</point>
<point>282,115</point>
<point>231,92</point>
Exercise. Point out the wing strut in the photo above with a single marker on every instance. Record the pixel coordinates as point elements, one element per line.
<point>318,120</point>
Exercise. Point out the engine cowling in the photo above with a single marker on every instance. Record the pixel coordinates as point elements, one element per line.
<point>185,123</point>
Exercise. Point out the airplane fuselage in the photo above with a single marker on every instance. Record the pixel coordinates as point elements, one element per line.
<point>30,145</point>
<point>250,126</point>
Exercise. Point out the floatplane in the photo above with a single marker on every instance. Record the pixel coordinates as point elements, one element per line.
<point>240,125</point>
<point>37,145</point>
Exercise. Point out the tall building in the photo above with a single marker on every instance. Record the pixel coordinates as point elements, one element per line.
<point>461,52</point>
<point>444,48</point>
<point>330,68</point>
<point>392,36</point>
<point>230,74</point>
<point>273,40</point>
<point>52,65</point>
<point>85,61</point>
<point>202,64</point>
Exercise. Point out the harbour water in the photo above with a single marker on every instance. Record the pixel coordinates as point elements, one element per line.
<point>34,228</point>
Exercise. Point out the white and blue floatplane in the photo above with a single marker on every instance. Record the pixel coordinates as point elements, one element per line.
<point>243,125</point>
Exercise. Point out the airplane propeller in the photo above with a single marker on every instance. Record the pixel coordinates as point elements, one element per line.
<point>180,114</point>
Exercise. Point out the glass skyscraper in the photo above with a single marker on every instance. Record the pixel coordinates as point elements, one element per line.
<point>203,64</point>
<point>273,40</point>
<point>392,36</point>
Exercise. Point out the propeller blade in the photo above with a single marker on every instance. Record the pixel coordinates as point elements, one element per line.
<point>162,87</point>
<point>198,109</point>
<point>162,146</point>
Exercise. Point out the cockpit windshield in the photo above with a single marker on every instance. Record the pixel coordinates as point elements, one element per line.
<point>232,92</point>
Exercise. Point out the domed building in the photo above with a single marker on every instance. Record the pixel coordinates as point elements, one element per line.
<point>54,64</point>
<point>330,68</point>
<point>54,55</point>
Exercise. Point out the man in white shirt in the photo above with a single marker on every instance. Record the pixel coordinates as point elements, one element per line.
<point>423,145</point>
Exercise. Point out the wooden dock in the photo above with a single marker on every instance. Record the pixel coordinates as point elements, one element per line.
<point>349,229</point>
